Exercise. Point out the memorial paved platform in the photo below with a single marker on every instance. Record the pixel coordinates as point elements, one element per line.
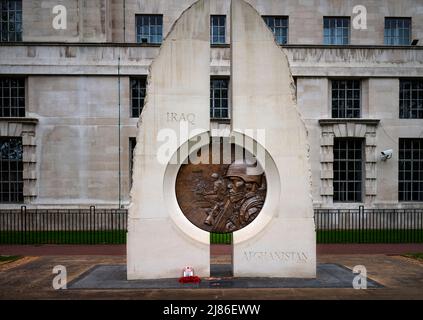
<point>32,278</point>
<point>114,277</point>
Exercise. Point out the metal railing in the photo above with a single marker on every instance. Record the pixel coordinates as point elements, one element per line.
<point>369,225</point>
<point>63,226</point>
<point>109,226</point>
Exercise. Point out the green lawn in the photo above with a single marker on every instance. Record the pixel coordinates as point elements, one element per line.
<point>220,238</point>
<point>4,259</point>
<point>119,237</point>
<point>370,236</point>
<point>417,256</point>
<point>63,237</point>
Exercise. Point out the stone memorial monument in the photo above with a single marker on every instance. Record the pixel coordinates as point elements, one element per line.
<point>260,190</point>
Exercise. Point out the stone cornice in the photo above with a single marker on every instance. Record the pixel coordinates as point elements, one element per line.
<point>19,120</point>
<point>135,59</point>
<point>224,45</point>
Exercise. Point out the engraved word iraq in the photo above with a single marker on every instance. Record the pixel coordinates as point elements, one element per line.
<point>177,117</point>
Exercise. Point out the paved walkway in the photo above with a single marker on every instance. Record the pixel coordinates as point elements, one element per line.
<point>113,250</point>
<point>402,278</point>
<point>64,250</point>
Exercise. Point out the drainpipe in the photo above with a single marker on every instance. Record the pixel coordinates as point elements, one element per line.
<point>124,21</point>
<point>119,142</point>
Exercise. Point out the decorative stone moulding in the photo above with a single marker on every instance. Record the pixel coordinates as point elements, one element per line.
<point>348,128</point>
<point>26,129</point>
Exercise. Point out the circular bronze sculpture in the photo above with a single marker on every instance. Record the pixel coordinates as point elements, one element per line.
<point>221,198</point>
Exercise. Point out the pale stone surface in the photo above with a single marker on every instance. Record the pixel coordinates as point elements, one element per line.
<point>87,21</point>
<point>114,20</point>
<point>305,17</point>
<point>280,242</point>
<point>96,59</point>
<point>158,245</point>
<point>77,139</point>
<point>124,15</point>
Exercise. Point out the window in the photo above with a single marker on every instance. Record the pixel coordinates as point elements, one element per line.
<point>347,170</point>
<point>132,144</point>
<point>12,97</point>
<point>217,29</point>
<point>398,31</point>
<point>10,20</point>
<point>336,30</point>
<point>410,170</point>
<point>149,28</point>
<point>138,89</point>
<point>279,27</point>
<point>11,166</point>
<point>346,99</point>
<point>219,108</point>
<point>411,99</point>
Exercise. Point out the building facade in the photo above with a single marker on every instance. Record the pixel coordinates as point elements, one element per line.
<point>73,81</point>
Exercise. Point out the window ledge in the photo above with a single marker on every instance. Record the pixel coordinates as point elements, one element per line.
<point>410,202</point>
<point>19,120</point>
<point>220,120</point>
<point>372,122</point>
<point>220,45</point>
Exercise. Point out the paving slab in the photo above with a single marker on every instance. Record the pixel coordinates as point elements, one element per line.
<point>221,270</point>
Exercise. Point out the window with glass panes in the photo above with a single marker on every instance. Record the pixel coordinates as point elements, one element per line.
<point>138,89</point>
<point>410,169</point>
<point>149,28</point>
<point>411,99</point>
<point>217,29</point>
<point>10,20</point>
<point>132,144</point>
<point>279,27</point>
<point>347,170</point>
<point>12,97</point>
<point>219,102</point>
<point>336,30</point>
<point>346,99</point>
<point>398,31</point>
<point>11,167</point>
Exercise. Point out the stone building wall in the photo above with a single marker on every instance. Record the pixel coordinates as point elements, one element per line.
<point>114,20</point>
<point>87,21</point>
<point>72,91</point>
<point>77,138</point>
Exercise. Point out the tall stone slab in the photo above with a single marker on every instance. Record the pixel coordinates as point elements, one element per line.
<point>161,241</point>
<point>280,242</point>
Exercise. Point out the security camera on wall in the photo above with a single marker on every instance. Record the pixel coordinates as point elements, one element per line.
<point>386,154</point>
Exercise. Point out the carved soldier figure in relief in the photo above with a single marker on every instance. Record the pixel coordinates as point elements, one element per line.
<point>217,196</point>
<point>228,198</point>
<point>246,193</point>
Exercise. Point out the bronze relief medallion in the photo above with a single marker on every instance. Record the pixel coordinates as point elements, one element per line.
<point>221,198</point>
